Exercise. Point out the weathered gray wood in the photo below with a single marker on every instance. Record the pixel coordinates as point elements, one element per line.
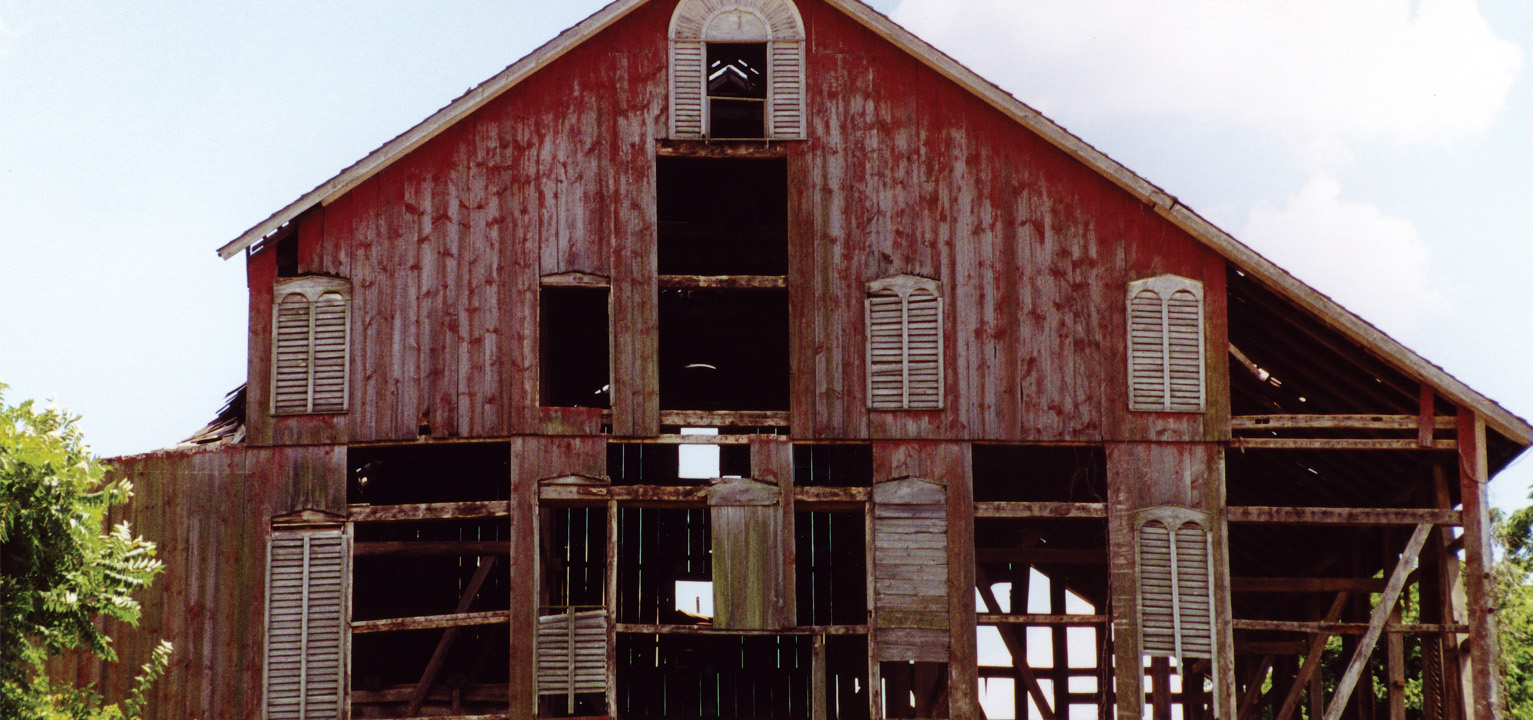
<point>428,511</point>
<point>429,622</point>
<point>1339,422</point>
<point>1376,622</point>
<point>1341,516</point>
<point>1245,443</point>
<point>994,509</point>
<point>1473,474</point>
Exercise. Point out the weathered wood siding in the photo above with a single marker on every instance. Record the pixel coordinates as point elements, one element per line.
<point>903,172</point>
<point>210,512</point>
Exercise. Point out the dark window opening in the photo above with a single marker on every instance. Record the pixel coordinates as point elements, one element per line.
<point>428,474</point>
<point>831,568</point>
<point>723,350</point>
<point>680,677</point>
<point>657,549</point>
<point>1020,473</point>
<point>833,465</point>
<point>914,689</point>
<point>572,348</point>
<point>574,558</point>
<point>287,255</point>
<point>722,216</point>
<point>650,464</point>
<point>737,90</point>
<point>846,665</point>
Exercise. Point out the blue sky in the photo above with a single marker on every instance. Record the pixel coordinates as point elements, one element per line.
<point>1377,148</point>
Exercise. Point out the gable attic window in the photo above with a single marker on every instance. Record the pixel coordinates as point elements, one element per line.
<point>1165,345</point>
<point>904,320</point>
<point>1175,583</point>
<point>310,331</point>
<point>737,70</point>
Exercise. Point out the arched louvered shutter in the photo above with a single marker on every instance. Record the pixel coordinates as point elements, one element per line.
<point>1165,345</point>
<point>923,350</point>
<point>290,366</point>
<point>1184,351</point>
<point>330,351</point>
<point>904,326</point>
<point>1175,586</point>
<point>1157,599</point>
<point>311,346</point>
<point>786,88</point>
<point>305,625</point>
<point>687,71</point>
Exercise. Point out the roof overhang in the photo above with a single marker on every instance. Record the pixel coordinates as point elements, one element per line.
<point>1339,318</point>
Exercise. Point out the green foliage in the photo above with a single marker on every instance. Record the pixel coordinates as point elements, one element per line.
<point>60,570</point>
<point>1512,583</point>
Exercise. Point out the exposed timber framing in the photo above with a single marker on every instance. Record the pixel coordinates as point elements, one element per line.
<point>1341,516</point>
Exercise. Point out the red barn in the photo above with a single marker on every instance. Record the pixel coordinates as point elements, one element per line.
<point>753,359</point>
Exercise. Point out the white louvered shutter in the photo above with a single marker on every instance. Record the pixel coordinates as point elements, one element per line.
<point>305,625</point>
<point>886,351</point>
<point>1147,352</point>
<point>1184,352</point>
<point>1165,345</point>
<point>923,350</point>
<point>687,72</point>
<point>1194,601</point>
<point>330,353</point>
<point>1157,600</point>
<point>290,371</point>
<point>572,654</point>
<point>786,86</point>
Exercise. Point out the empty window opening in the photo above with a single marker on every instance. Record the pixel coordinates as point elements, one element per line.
<point>723,350</point>
<point>574,559</point>
<point>695,598</point>
<point>657,548</point>
<point>668,464</point>
<point>833,465</point>
<point>681,677</point>
<point>831,570</point>
<point>1021,473</point>
<point>914,689</point>
<point>1044,569</point>
<point>572,347</point>
<point>737,90</point>
<point>287,254</point>
<point>428,473</point>
<point>722,216</point>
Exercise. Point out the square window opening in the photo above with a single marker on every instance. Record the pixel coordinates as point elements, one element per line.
<point>574,370</point>
<point>723,350</point>
<point>722,216</point>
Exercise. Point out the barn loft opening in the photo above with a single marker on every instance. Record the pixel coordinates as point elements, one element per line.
<point>737,90</point>
<point>722,216</point>
<point>833,465</point>
<point>662,464</point>
<point>831,567</point>
<point>723,349</point>
<point>573,347</point>
<point>406,569</point>
<point>1035,473</point>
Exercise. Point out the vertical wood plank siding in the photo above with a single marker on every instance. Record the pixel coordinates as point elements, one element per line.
<point>903,172</point>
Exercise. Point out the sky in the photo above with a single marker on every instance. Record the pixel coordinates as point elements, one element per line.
<point>1378,149</point>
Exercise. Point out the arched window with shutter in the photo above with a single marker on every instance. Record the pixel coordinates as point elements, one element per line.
<point>737,70</point>
<point>1165,345</point>
<point>1175,583</point>
<point>310,344</point>
<point>306,621</point>
<point>904,320</point>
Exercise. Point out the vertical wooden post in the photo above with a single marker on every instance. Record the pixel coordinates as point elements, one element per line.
<point>1395,675</point>
<point>1160,688</point>
<point>1021,583</point>
<point>1223,705</point>
<point>1473,474</point>
<point>1123,579</point>
<point>1060,649</point>
<point>524,588</point>
<point>611,602</point>
<point>963,652</point>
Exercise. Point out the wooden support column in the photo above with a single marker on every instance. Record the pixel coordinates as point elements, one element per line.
<point>1059,649</point>
<point>1485,701</point>
<point>772,461</point>
<point>1394,645</point>
<point>963,665</point>
<point>1160,688</point>
<point>523,504</point>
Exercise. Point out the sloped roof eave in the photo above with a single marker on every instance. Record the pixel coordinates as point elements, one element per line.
<point>1339,318</point>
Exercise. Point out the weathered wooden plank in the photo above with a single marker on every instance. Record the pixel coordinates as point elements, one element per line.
<point>429,622</point>
<point>994,509</point>
<point>1341,516</point>
<point>1339,422</point>
<point>1345,628</point>
<point>1473,475</point>
<point>428,511</point>
<point>1246,443</point>
<point>726,282</point>
<point>998,619</point>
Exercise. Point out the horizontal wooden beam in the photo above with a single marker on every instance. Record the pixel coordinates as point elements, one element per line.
<point>1055,620</point>
<point>646,629</point>
<point>1305,584</point>
<point>432,547</point>
<point>765,149</point>
<point>1039,510</point>
<point>1244,443</point>
<point>429,511</point>
<point>1337,422</point>
<point>722,282</point>
<point>574,494</point>
<point>661,495</point>
<point>811,495</point>
<point>721,419</point>
<point>1041,555</point>
<point>1345,628</point>
<point>430,622</point>
<point>1340,516</point>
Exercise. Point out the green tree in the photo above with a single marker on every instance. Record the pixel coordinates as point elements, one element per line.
<point>61,569</point>
<point>1513,585</point>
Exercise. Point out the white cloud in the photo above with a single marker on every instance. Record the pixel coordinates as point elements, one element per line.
<point>1373,264</point>
<point>1319,72</point>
